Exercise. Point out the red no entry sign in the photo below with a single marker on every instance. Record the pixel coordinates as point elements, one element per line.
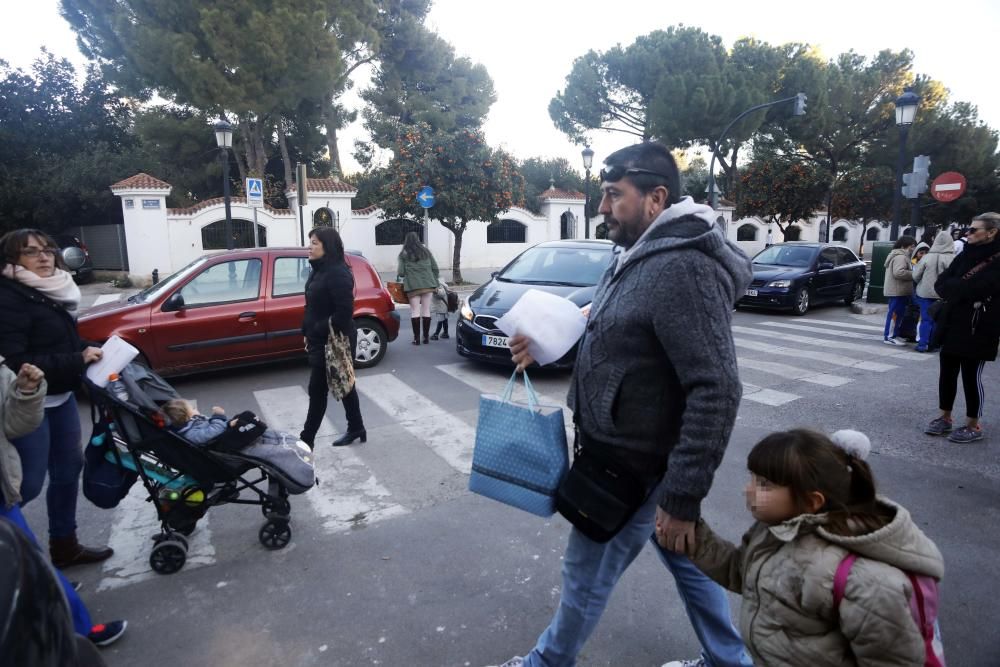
<point>947,187</point>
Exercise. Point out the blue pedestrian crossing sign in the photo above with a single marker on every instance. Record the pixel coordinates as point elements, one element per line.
<point>426,196</point>
<point>255,192</point>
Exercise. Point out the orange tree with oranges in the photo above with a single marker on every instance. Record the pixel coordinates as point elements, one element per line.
<point>471,181</point>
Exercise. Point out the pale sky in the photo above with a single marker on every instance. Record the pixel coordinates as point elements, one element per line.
<point>528,47</point>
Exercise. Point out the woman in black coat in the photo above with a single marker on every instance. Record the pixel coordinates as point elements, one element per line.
<point>38,305</point>
<point>329,298</point>
<point>970,327</point>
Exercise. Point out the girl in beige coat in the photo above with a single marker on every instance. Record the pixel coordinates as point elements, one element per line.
<point>815,503</point>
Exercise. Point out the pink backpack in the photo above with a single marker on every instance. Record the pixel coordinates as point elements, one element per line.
<point>923,606</point>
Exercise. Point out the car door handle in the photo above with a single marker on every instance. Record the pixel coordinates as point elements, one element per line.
<point>248,315</point>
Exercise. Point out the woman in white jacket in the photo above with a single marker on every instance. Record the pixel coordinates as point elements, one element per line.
<point>926,273</point>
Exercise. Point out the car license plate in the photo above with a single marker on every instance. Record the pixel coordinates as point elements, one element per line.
<point>751,292</point>
<point>494,341</point>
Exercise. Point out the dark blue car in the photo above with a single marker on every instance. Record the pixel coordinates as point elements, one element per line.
<point>797,275</point>
<point>570,269</point>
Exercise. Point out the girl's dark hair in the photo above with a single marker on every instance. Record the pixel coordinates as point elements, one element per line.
<point>904,242</point>
<point>13,242</point>
<point>413,249</point>
<point>333,245</point>
<point>806,461</point>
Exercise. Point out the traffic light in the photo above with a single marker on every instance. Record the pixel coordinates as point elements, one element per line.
<point>921,164</point>
<point>909,186</point>
<point>800,104</point>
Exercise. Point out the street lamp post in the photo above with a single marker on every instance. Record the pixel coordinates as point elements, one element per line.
<point>224,139</point>
<point>799,110</point>
<point>906,110</point>
<point>588,162</point>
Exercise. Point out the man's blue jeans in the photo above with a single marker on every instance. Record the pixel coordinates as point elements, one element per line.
<point>590,572</point>
<point>54,447</point>
<point>81,617</point>
<point>926,327</point>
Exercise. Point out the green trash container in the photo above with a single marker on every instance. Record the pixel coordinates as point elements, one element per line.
<point>876,273</point>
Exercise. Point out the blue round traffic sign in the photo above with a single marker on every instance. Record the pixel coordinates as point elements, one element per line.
<point>426,196</point>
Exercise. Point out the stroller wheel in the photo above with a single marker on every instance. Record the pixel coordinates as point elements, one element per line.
<point>275,534</point>
<point>168,556</point>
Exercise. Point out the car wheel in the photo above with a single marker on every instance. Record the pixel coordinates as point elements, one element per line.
<point>372,344</point>
<point>856,293</point>
<point>801,305</point>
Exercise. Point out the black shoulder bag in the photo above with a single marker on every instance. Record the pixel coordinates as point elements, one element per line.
<point>601,491</point>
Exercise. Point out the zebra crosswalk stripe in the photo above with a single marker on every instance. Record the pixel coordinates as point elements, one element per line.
<point>828,332</point>
<point>348,493</point>
<point>134,525</point>
<point>752,392</point>
<point>792,372</point>
<point>874,350</point>
<point>843,325</point>
<point>447,436</point>
<point>825,357</point>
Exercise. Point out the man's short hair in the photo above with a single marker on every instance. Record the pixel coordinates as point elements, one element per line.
<point>653,156</point>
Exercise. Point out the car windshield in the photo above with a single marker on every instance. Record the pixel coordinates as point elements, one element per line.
<point>167,284</point>
<point>548,265</point>
<point>783,255</point>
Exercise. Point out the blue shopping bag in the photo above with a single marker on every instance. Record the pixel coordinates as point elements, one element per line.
<point>520,455</point>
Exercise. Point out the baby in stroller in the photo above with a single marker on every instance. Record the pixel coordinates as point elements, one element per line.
<point>187,422</point>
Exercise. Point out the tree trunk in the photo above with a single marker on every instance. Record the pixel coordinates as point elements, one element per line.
<point>336,169</point>
<point>286,160</point>
<point>456,255</point>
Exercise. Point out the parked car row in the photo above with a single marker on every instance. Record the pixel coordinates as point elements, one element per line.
<point>238,307</point>
<point>246,306</point>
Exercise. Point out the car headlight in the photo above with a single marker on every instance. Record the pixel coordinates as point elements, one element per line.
<point>467,312</point>
<point>780,283</point>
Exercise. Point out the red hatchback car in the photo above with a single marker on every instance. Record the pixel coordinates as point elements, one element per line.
<point>238,307</point>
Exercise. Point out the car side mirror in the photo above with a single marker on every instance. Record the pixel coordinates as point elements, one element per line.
<point>824,265</point>
<point>174,302</point>
<point>494,274</point>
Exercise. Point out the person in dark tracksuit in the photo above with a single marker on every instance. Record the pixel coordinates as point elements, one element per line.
<point>329,299</point>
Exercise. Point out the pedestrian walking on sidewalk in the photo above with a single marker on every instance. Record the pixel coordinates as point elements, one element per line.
<point>38,308</point>
<point>654,392</point>
<point>419,273</point>
<point>329,302</point>
<point>969,328</point>
<point>898,287</point>
<point>926,273</point>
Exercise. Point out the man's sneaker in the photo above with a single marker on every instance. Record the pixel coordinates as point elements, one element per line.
<point>700,662</point>
<point>938,426</point>
<point>893,341</point>
<point>105,634</point>
<point>516,661</point>
<point>966,434</point>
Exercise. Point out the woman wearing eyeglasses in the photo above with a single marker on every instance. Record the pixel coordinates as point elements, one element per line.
<point>968,329</point>
<point>38,307</point>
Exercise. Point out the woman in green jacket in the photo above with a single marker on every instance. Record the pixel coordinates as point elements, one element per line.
<point>419,273</point>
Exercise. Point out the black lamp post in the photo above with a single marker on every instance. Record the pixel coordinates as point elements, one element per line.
<point>906,110</point>
<point>588,162</point>
<point>224,139</point>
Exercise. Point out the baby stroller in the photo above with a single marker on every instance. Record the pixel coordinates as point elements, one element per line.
<point>132,440</point>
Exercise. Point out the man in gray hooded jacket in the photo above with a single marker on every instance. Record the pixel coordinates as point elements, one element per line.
<point>656,383</point>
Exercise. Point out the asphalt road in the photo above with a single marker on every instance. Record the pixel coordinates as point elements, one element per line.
<point>393,562</point>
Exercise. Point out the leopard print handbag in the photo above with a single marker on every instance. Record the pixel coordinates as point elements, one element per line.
<point>339,364</point>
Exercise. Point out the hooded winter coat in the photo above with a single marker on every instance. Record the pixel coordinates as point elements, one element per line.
<point>972,326</point>
<point>898,273</point>
<point>656,377</point>
<point>785,574</point>
<point>937,259</point>
<point>20,414</point>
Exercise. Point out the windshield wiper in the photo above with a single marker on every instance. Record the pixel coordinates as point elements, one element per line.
<point>557,283</point>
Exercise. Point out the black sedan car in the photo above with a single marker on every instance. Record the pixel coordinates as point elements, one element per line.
<point>570,269</point>
<point>798,275</point>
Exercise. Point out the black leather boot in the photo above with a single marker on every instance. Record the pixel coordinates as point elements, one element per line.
<point>427,330</point>
<point>350,437</point>
<point>67,552</point>
<point>415,323</point>
<point>445,334</point>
